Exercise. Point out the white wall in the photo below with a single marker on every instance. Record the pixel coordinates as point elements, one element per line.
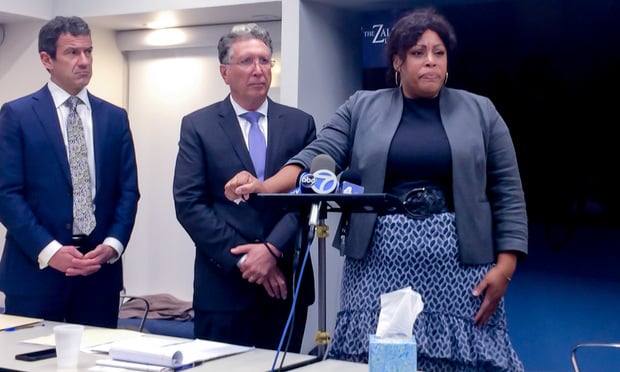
<point>42,9</point>
<point>320,68</point>
<point>21,71</point>
<point>175,82</point>
<point>109,79</point>
<point>329,71</point>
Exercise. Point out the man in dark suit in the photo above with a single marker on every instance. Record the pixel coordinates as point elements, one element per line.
<point>244,272</point>
<point>68,189</point>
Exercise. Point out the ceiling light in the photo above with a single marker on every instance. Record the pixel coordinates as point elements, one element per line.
<point>166,36</point>
<point>163,20</point>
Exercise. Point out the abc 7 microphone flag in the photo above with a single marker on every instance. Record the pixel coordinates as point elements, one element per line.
<point>322,181</point>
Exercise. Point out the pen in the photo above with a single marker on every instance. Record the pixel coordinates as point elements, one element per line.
<point>11,329</point>
<point>133,366</point>
<point>188,366</point>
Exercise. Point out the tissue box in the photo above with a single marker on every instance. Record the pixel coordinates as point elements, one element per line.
<point>392,354</point>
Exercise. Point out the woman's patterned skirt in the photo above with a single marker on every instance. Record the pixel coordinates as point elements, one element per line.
<point>423,254</point>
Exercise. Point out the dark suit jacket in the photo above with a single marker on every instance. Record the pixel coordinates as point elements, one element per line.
<point>36,202</point>
<point>211,152</point>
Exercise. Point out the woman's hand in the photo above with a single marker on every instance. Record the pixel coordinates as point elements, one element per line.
<point>493,286</point>
<point>240,187</point>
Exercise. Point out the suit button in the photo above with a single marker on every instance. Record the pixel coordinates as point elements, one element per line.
<point>69,226</point>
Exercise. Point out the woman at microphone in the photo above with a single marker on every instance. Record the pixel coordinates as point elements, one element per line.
<point>450,157</point>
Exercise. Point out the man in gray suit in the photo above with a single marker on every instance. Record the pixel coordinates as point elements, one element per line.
<point>243,272</point>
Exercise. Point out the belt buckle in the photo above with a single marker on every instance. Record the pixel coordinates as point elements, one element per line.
<point>78,240</point>
<point>415,203</point>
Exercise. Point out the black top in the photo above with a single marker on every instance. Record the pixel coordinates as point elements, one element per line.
<point>420,153</point>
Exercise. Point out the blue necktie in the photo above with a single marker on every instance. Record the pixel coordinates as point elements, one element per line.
<point>256,143</point>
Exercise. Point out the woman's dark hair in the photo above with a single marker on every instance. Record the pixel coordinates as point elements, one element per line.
<point>51,31</point>
<point>409,28</point>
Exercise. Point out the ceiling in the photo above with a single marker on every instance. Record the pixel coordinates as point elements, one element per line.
<point>271,11</point>
<point>13,18</point>
<point>266,11</point>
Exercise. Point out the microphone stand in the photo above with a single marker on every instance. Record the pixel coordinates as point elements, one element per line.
<point>360,203</point>
<point>322,336</point>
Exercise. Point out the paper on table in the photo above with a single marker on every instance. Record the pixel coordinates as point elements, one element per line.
<point>171,352</point>
<point>114,365</point>
<point>203,350</point>
<point>14,321</point>
<point>90,338</point>
<point>148,350</point>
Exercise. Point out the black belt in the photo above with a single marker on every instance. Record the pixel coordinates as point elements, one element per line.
<point>79,240</point>
<point>422,202</point>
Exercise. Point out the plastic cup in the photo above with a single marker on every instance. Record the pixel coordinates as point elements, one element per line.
<point>68,338</point>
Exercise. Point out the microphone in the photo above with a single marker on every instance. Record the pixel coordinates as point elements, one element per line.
<point>321,180</point>
<point>324,179</point>
<point>307,178</point>
<point>350,183</point>
<point>305,181</point>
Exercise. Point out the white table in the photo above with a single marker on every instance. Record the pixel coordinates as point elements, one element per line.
<point>331,365</point>
<point>256,360</point>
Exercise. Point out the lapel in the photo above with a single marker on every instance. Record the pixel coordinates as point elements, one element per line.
<point>228,122</point>
<point>379,127</point>
<point>277,124</point>
<point>43,106</point>
<point>99,118</point>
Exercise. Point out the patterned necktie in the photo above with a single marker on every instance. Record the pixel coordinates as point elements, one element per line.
<point>256,143</point>
<point>83,215</point>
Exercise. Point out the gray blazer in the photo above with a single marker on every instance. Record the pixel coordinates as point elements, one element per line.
<point>488,195</point>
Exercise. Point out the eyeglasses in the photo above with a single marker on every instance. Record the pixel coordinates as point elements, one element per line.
<point>249,62</point>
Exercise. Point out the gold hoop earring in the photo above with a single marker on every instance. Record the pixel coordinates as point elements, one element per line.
<point>445,81</point>
<point>397,78</point>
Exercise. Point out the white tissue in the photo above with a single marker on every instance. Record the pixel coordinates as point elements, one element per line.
<point>399,311</point>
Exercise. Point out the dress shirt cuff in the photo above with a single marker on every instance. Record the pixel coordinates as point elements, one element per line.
<point>118,247</point>
<point>46,253</point>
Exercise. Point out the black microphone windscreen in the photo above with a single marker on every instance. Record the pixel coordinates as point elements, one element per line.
<point>351,176</point>
<point>322,161</point>
<point>350,182</point>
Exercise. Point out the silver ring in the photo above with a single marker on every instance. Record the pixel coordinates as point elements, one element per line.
<point>242,260</point>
